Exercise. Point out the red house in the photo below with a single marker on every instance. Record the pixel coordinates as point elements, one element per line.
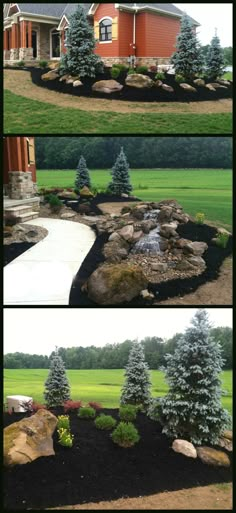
<point>145,32</point>
<point>19,172</point>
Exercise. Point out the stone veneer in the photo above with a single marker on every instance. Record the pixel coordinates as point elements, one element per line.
<point>21,185</point>
<point>140,61</point>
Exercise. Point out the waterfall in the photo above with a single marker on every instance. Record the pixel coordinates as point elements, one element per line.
<point>150,243</point>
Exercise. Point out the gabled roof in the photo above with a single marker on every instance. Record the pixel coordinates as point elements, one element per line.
<point>48,9</point>
<point>71,8</point>
<point>170,9</point>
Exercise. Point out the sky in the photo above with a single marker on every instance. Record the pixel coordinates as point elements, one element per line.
<point>39,330</point>
<point>211,16</point>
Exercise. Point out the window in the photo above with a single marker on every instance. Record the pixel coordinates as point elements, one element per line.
<point>105,30</point>
<point>55,44</point>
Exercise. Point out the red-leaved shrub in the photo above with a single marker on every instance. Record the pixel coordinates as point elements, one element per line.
<point>95,406</point>
<point>71,405</point>
<point>37,406</point>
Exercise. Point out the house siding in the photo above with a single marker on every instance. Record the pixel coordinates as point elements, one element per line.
<point>125,34</point>
<point>107,49</point>
<point>160,36</point>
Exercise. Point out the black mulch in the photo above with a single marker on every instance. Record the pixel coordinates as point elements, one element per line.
<point>95,469</point>
<point>12,251</point>
<point>214,257</point>
<point>130,93</point>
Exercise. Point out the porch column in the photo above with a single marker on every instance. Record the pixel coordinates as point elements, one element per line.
<point>20,177</point>
<point>63,41</point>
<point>29,34</point>
<point>23,34</point>
<point>13,41</point>
<point>5,40</point>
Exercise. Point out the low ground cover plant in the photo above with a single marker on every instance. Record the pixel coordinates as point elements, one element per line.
<point>128,412</point>
<point>43,64</point>
<point>65,437</point>
<point>105,422</point>
<point>125,435</point>
<point>63,422</point>
<point>222,239</point>
<point>86,412</point>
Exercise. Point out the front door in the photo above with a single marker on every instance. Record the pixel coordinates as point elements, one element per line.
<point>34,43</point>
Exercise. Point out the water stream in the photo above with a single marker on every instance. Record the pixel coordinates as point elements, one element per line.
<point>150,243</point>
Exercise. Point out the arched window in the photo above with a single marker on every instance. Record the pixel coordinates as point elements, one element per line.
<point>55,44</point>
<point>105,30</point>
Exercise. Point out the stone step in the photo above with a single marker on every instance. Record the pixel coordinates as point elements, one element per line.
<point>27,217</point>
<point>18,211</point>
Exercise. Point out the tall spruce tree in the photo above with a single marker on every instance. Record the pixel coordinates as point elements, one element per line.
<point>137,385</point>
<point>57,387</point>
<point>215,59</point>
<point>82,174</point>
<point>80,58</point>
<point>187,59</point>
<point>120,176</point>
<point>192,408</point>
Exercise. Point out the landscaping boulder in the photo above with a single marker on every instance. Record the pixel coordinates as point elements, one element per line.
<point>51,75</point>
<point>224,82</point>
<point>158,83</point>
<point>139,81</point>
<point>167,88</point>
<point>181,218</point>
<point>213,457</point>
<point>145,294</point>
<point>115,251</point>
<point>228,434</point>
<point>136,236</point>
<point>188,88</point>
<point>54,65</point>
<point>225,443</point>
<point>185,265</point>
<point>114,237</point>
<point>168,230</point>
<point>164,245</point>
<point>217,86</point>
<point>68,215</point>
<point>148,225</point>
<point>63,78</point>
<point>116,284</point>
<point>196,248</point>
<point>107,86</point>
<point>184,447</point>
<point>197,261</point>
<point>29,439</point>
<point>159,267</point>
<point>77,83</point>
<point>165,215</point>
<point>210,87</point>
<point>86,193</point>
<point>199,82</point>
<point>127,232</point>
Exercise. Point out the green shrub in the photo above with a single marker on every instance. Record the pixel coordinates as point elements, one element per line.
<point>132,72</point>
<point>63,422</point>
<point>142,70</point>
<point>105,422</point>
<point>222,240</point>
<point>121,67</point>
<point>115,72</point>
<point>127,412</point>
<point>53,201</point>
<point>160,76</point>
<point>125,435</point>
<point>21,64</point>
<point>200,218</point>
<point>179,79</point>
<point>43,64</point>
<point>65,437</point>
<point>86,412</point>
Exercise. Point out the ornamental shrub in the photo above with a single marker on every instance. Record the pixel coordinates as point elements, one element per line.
<point>187,60</point>
<point>160,76</point>
<point>63,422</point>
<point>128,412</point>
<point>192,408</point>
<point>200,218</point>
<point>105,422</point>
<point>222,240</point>
<point>71,405</point>
<point>143,70</point>
<point>137,386</point>
<point>82,175</point>
<point>115,72</point>
<point>125,435</point>
<point>94,405</point>
<point>215,59</point>
<point>65,437</point>
<point>43,64</point>
<point>57,387</point>
<point>86,412</point>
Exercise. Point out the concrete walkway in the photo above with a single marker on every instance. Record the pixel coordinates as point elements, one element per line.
<point>43,275</point>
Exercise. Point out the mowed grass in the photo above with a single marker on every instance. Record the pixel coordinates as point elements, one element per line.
<point>22,115</point>
<point>197,190</point>
<point>93,385</point>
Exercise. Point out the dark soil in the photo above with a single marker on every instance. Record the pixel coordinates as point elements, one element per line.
<point>93,203</point>
<point>96,469</point>
<point>12,251</point>
<point>214,257</point>
<point>155,94</point>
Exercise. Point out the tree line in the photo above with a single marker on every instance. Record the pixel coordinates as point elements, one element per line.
<point>115,356</point>
<point>142,152</point>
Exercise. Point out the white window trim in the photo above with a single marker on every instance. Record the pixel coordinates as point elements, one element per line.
<point>50,41</point>
<point>102,19</point>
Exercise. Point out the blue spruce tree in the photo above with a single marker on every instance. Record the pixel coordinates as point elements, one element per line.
<point>187,59</point>
<point>137,385</point>
<point>57,387</point>
<point>120,176</point>
<point>82,175</point>
<point>80,58</point>
<point>192,408</point>
<point>215,59</point>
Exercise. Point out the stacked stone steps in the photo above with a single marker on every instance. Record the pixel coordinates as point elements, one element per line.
<point>20,214</point>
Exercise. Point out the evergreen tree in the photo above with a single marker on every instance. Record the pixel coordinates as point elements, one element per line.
<point>80,58</point>
<point>137,385</point>
<point>82,175</point>
<point>192,408</point>
<point>120,176</point>
<point>187,59</point>
<point>215,59</point>
<point>57,387</point>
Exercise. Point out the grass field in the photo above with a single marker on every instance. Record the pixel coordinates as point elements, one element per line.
<point>92,385</point>
<point>205,190</point>
<point>23,115</point>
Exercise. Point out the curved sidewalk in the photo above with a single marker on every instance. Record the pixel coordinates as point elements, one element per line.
<point>43,275</point>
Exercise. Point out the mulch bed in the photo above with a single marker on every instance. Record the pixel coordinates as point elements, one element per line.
<point>129,93</point>
<point>96,469</point>
<point>214,257</point>
<point>15,249</point>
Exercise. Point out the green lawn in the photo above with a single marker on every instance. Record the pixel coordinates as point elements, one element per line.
<point>23,116</point>
<point>205,190</point>
<point>92,385</point>
<point>228,75</point>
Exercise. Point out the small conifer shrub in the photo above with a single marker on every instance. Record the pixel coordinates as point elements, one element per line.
<point>86,412</point>
<point>57,387</point>
<point>120,176</point>
<point>128,412</point>
<point>105,422</point>
<point>82,175</point>
<point>137,386</point>
<point>125,435</point>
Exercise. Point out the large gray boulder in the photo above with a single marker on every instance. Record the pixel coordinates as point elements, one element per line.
<point>196,248</point>
<point>116,250</point>
<point>107,86</point>
<point>139,81</point>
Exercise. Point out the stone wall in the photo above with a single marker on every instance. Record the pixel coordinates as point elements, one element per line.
<point>21,185</point>
<point>44,49</point>
<point>140,61</point>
